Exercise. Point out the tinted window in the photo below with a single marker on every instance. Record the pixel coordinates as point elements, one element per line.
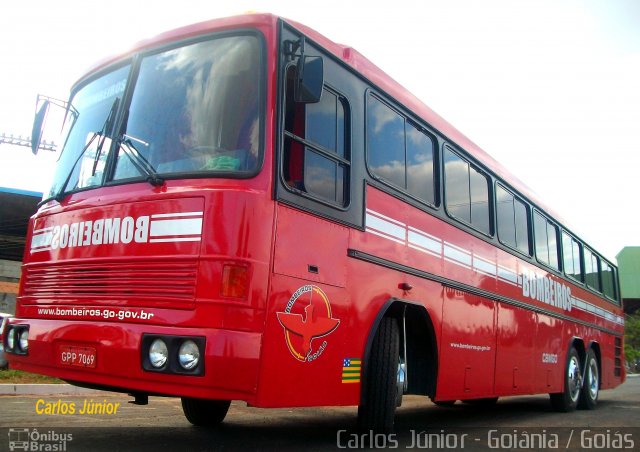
<point>608,281</point>
<point>324,177</point>
<point>420,180</point>
<point>316,154</point>
<point>522,226</point>
<point>512,220</point>
<point>542,246</point>
<point>466,192</point>
<point>385,142</point>
<point>457,197</point>
<point>399,152</point>
<point>546,238</point>
<point>552,237</point>
<point>323,121</point>
<point>479,187</point>
<point>571,257</point>
<point>591,276</point>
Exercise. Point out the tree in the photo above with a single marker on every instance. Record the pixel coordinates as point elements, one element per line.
<point>632,340</point>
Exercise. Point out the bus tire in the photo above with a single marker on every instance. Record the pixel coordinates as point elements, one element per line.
<point>567,400</point>
<point>380,391</point>
<point>205,413</point>
<point>591,386</point>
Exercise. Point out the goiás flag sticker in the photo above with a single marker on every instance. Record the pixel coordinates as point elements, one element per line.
<point>351,370</point>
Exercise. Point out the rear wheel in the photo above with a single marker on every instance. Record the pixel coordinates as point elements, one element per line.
<point>568,399</point>
<point>205,413</point>
<point>591,387</point>
<point>381,390</point>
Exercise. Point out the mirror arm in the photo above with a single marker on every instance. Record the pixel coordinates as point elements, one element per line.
<point>58,103</point>
<point>41,116</point>
<point>292,48</point>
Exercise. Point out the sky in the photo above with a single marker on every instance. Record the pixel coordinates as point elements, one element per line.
<point>550,88</point>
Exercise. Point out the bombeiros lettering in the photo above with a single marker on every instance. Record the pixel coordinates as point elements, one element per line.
<point>547,290</point>
<point>120,230</point>
<point>104,231</point>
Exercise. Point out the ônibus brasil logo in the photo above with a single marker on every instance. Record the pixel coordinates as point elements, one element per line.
<point>300,330</point>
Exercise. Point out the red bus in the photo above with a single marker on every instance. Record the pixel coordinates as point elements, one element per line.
<point>245,210</point>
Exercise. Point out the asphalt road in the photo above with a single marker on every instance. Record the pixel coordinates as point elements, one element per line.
<point>516,422</point>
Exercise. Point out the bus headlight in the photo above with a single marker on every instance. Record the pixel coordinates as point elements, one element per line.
<point>168,354</point>
<point>23,342</point>
<point>11,339</point>
<point>158,353</point>
<point>188,355</point>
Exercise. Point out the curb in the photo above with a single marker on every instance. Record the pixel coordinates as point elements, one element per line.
<point>44,389</point>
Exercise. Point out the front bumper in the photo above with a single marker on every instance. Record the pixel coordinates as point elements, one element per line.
<point>231,358</point>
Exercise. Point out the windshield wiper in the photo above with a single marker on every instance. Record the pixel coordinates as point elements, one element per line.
<point>107,126</point>
<point>111,119</point>
<point>139,161</point>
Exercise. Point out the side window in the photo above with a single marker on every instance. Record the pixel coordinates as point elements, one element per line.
<point>571,257</point>
<point>385,142</point>
<point>608,281</point>
<point>466,192</point>
<point>546,237</point>
<point>513,227</point>
<point>316,145</point>
<point>591,270</point>
<point>420,164</point>
<point>399,152</point>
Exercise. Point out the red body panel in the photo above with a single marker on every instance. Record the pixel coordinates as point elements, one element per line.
<point>528,341</point>
<point>166,280</point>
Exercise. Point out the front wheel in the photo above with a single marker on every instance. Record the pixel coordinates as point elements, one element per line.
<point>568,399</point>
<point>591,387</point>
<point>380,392</point>
<point>205,413</point>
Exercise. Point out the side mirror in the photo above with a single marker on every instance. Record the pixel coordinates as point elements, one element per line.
<point>310,79</point>
<point>38,126</point>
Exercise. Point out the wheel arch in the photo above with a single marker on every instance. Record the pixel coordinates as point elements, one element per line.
<point>578,344</point>
<point>416,327</point>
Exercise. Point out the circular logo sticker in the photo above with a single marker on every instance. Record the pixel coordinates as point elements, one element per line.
<point>307,317</point>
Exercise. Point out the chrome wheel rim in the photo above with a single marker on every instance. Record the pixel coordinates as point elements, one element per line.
<point>593,379</point>
<point>574,378</point>
<point>401,380</point>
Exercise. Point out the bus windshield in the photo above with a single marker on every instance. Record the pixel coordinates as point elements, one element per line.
<point>194,110</point>
<point>79,165</point>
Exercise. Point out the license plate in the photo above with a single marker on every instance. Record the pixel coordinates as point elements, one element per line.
<point>70,355</point>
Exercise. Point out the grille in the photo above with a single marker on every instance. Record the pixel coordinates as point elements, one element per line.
<point>617,369</point>
<point>139,283</point>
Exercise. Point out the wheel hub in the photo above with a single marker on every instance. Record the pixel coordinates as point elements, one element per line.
<point>575,378</point>
<point>593,379</point>
<point>401,380</point>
